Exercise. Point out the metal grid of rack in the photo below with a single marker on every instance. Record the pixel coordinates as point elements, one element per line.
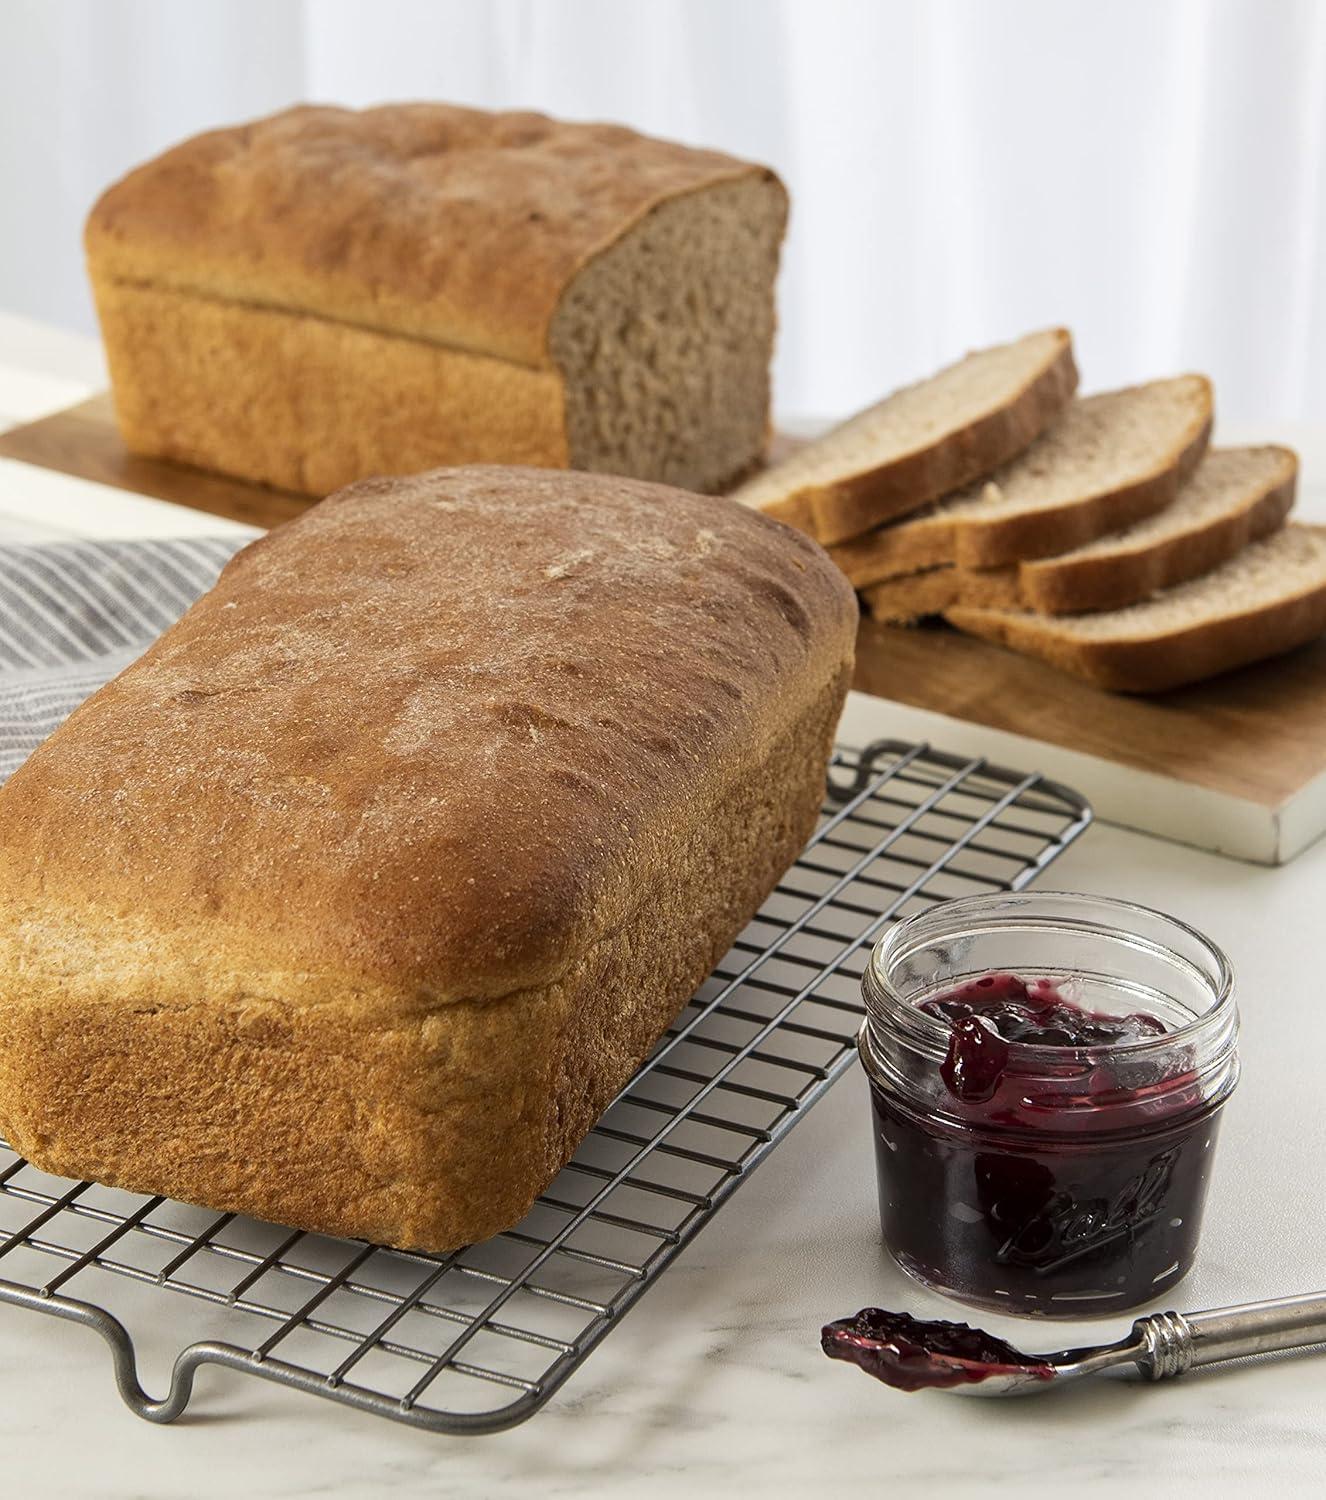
<point>479,1339</point>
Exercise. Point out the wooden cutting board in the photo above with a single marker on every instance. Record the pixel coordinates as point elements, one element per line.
<point>1237,764</point>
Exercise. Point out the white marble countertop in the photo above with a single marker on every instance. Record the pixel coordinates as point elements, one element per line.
<point>715,1381</point>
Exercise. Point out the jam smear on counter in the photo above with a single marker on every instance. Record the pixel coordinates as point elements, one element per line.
<point>1053,1188</point>
<point>915,1355</point>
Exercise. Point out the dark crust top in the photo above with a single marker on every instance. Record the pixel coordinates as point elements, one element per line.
<point>453,225</point>
<point>432,735</point>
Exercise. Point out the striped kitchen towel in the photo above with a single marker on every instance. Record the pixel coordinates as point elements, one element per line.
<point>73,614</point>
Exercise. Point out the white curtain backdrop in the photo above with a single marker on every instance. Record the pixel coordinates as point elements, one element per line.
<point>1151,172</point>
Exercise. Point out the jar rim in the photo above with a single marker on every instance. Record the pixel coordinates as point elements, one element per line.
<point>1015,1134</point>
<point>933,1033</point>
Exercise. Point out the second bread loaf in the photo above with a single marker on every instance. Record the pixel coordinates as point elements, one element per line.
<point>355,901</point>
<point>328,294</point>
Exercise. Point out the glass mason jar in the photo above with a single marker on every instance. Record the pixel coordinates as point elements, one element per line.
<point>1077,1186</point>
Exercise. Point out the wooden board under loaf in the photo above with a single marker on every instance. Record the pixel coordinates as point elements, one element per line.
<point>1237,764</point>
<point>355,900</point>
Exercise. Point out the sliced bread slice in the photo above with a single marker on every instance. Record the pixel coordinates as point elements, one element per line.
<point>1236,496</point>
<point>1111,460</point>
<point>1268,599</point>
<point>922,441</point>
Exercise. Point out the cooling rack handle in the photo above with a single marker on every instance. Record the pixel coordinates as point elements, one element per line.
<point>246,1361</point>
<point>122,1351</point>
<point>866,766</point>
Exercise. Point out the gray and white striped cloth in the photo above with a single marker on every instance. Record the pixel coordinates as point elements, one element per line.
<point>73,614</point>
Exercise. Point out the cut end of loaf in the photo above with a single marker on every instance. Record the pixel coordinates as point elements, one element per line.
<point>665,339</point>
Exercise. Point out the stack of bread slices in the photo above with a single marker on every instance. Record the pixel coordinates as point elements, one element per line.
<point>1102,534</point>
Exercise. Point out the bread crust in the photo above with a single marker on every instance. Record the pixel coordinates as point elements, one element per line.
<point>998,540</point>
<point>915,544</point>
<point>1079,584</point>
<point>1075,585</point>
<point>311,405</point>
<point>457,226</point>
<point>838,512</point>
<point>905,600</point>
<point>914,596</point>
<point>355,900</point>
<point>426,1131</point>
<point>1158,663</point>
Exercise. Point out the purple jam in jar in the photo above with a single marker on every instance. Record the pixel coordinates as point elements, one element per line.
<point>1047,1073</point>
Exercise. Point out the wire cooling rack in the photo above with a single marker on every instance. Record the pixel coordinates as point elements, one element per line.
<point>478,1340</point>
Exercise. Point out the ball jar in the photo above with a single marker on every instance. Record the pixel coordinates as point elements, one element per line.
<point>1072,1181</point>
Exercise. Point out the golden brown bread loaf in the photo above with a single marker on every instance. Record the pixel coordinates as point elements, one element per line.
<point>355,901</point>
<point>328,294</point>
